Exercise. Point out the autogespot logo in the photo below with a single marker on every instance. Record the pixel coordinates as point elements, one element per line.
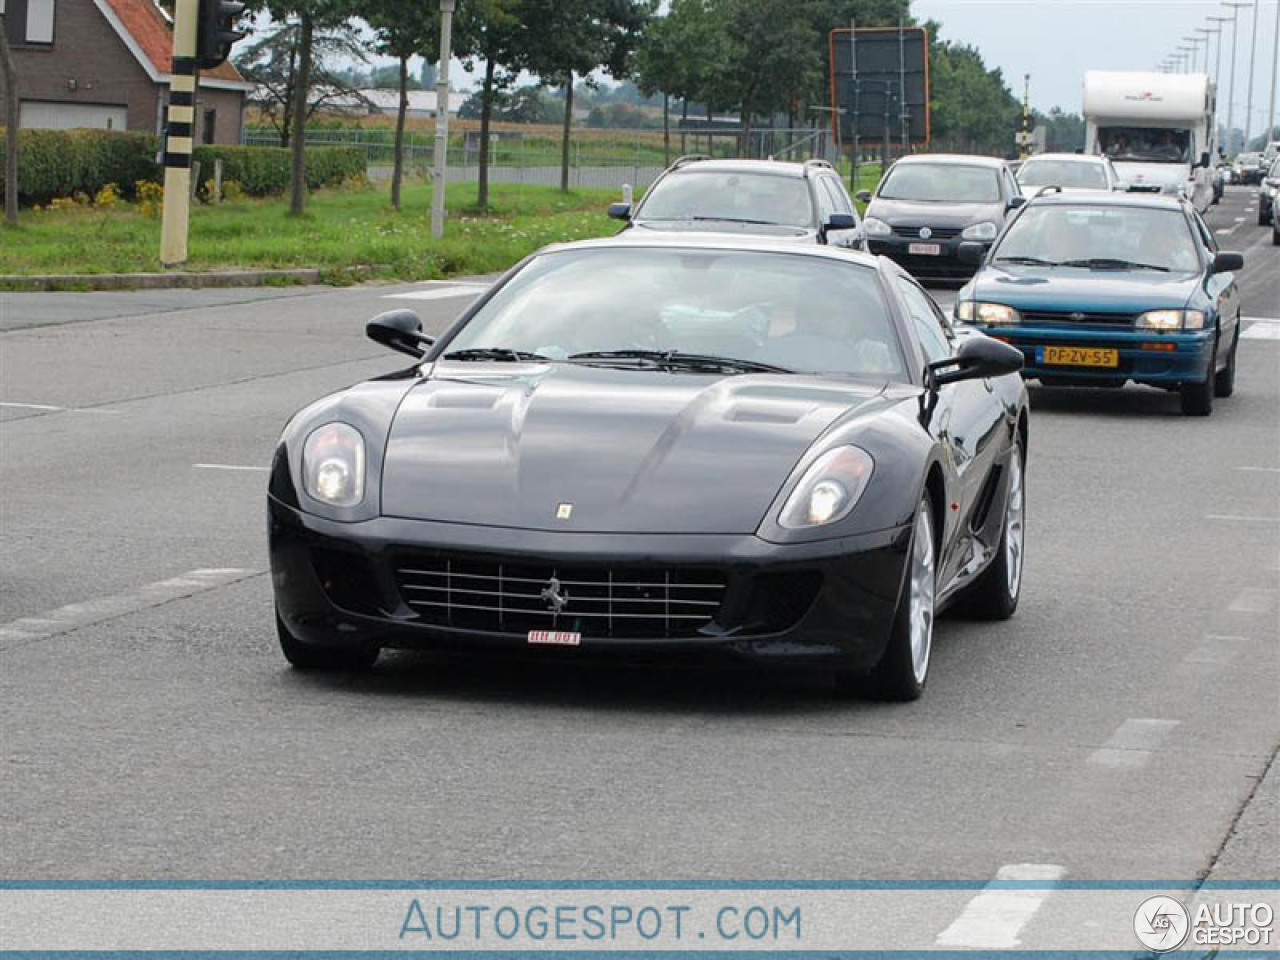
<point>1161,924</point>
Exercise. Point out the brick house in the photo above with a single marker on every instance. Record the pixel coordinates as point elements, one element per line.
<point>105,64</point>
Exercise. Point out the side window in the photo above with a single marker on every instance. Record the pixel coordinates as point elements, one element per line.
<point>1206,235</point>
<point>934,338</point>
<point>838,195</point>
<point>825,205</point>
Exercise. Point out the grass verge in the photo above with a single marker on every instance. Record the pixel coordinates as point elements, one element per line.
<point>341,229</point>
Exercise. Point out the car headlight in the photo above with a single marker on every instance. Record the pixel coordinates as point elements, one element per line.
<point>1166,320</point>
<point>829,489</point>
<point>988,314</point>
<point>333,465</point>
<point>874,227</point>
<point>979,231</point>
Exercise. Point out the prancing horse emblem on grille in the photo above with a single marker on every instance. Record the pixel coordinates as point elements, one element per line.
<point>556,601</point>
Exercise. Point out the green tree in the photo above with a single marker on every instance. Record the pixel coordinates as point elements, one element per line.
<point>489,30</point>
<point>403,31</point>
<point>972,108</point>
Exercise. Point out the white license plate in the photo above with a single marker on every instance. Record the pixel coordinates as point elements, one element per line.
<point>925,249</point>
<point>555,638</point>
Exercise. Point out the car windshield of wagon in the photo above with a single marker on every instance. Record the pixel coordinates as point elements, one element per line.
<point>941,183</point>
<point>1076,174</point>
<point>729,196</point>
<point>802,313</point>
<point>1103,236</point>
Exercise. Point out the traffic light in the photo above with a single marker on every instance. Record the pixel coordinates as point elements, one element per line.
<point>216,32</point>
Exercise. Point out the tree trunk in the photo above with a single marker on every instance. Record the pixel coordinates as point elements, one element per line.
<point>287,128</point>
<point>302,84</point>
<point>684,115</point>
<point>666,129</point>
<point>397,169</point>
<point>564,134</point>
<point>486,112</point>
<point>10,77</point>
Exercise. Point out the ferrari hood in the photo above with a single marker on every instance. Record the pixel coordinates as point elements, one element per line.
<point>570,447</point>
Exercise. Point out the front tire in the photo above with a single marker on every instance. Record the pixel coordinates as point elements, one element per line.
<point>1196,398</point>
<point>994,595</point>
<point>904,667</point>
<point>306,656</point>
<point>1224,383</point>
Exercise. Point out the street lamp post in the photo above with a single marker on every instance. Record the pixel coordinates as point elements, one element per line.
<point>1275,59</point>
<point>440,158</point>
<point>1253,53</point>
<point>1235,8</point>
<point>1195,53</point>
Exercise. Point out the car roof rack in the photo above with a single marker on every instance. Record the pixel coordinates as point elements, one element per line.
<point>688,158</point>
<point>818,162</point>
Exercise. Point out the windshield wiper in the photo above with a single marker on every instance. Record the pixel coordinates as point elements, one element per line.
<point>674,359</point>
<point>1112,263</point>
<point>505,354</point>
<point>1029,261</point>
<point>761,223</point>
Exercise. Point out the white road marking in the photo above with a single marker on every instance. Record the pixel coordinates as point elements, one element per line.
<point>1209,654</point>
<point>1224,231</point>
<point>1239,219</point>
<point>1253,600</point>
<point>1132,744</point>
<point>229,466</point>
<point>993,919</point>
<point>52,409</point>
<point>1260,328</point>
<point>1234,516</point>
<point>443,291</point>
<point>76,615</point>
<point>1260,469</point>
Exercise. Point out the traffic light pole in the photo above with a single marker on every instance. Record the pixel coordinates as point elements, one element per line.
<point>178,135</point>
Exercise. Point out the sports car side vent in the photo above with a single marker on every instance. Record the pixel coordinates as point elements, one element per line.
<point>499,597</point>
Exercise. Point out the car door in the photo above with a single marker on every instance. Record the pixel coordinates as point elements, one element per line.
<point>966,420</point>
<point>1222,290</point>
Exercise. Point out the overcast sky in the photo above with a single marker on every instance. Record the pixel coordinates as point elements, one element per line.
<point>1056,41</point>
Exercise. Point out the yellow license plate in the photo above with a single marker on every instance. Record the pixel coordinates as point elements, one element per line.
<point>1079,356</point>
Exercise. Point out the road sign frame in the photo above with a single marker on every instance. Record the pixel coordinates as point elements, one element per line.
<point>838,34</point>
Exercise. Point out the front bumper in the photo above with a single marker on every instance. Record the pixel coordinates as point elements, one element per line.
<point>1183,357</point>
<point>946,264</point>
<point>831,601</point>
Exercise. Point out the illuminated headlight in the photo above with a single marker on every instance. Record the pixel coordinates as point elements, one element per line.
<point>987,314</point>
<point>829,489</point>
<point>333,465</point>
<point>979,231</point>
<point>874,227</point>
<point>1167,320</point>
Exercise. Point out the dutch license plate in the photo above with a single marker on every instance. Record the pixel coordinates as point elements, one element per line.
<point>555,638</point>
<point>925,249</point>
<point>1078,356</point>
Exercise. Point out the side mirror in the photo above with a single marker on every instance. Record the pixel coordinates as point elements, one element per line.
<point>1016,202</point>
<point>620,211</point>
<point>401,330</point>
<point>976,358</point>
<point>1204,159</point>
<point>1224,262</point>
<point>841,221</point>
<point>863,196</point>
<point>971,252</point>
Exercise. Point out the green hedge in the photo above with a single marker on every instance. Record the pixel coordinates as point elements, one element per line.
<point>264,171</point>
<point>58,163</point>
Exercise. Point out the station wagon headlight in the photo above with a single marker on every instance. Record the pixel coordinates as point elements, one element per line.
<point>979,231</point>
<point>1170,320</point>
<point>987,314</point>
<point>333,465</point>
<point>875,227</point>
<point>829,489</point>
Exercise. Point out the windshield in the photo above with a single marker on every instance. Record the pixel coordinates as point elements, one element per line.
<point>721,195</point>
<point>1078,174</point>
<point>1103,236</point>
<point>1145,144</point>
<point>941,183</point>
<point>802,313</point>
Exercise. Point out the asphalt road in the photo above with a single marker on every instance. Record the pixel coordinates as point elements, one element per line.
<point>1116,727</point>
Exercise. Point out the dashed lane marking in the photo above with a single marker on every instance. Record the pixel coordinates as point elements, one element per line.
<point>995,917</point>
<point>1133,743</point>
<point>1260,469</point>
<point>1236,516</point>
<point>440,291</point>
<point>76,615</point>
<point>1260,328</point>
<point>230,466</point>
<point>50,408</point>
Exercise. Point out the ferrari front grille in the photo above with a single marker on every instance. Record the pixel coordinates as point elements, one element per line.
<point>501,597</point>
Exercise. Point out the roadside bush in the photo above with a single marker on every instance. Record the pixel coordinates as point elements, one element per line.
<point>62,163</point>
<point>264,171</point>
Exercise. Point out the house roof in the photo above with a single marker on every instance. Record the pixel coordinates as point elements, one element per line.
<point>146,31</point>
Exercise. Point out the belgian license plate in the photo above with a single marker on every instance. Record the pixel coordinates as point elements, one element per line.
<point>1078,356</point>
<point>555,638</point>
<point>925,249</point>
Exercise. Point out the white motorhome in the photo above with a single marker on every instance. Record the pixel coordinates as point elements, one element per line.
<point>1157,128</point>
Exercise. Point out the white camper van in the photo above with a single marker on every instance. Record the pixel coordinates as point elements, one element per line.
<point>1157,128</point>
